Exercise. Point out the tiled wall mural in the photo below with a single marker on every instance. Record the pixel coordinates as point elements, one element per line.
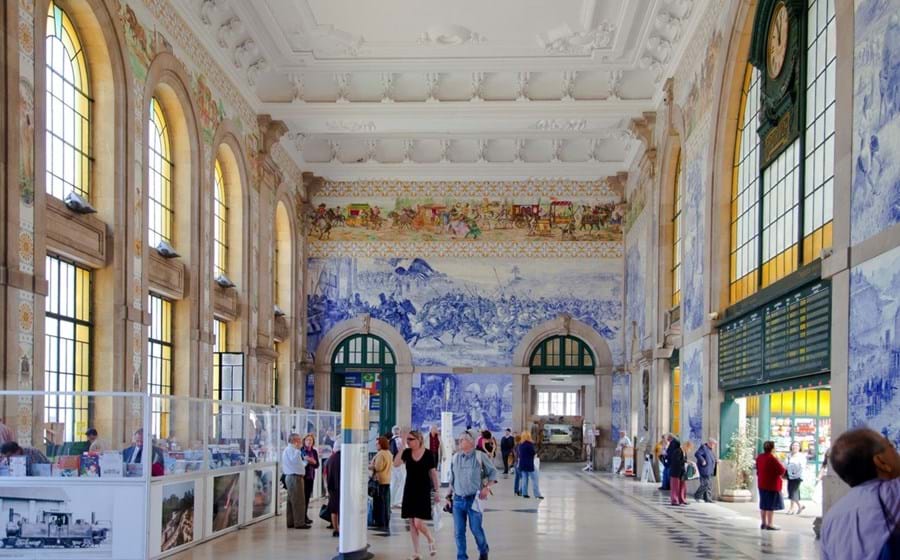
<point>693,256</point>
<point>476,219</point>
<point>476,400</point>
<point>621,404</point>
<point>464,312</point>
<point>692,393</point>
<point>636,296</point>
<point>876,119</point>
<point>874,361</point>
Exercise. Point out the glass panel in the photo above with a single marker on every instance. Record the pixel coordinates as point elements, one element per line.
<point>220,231</point>
<point>160,177</point>
<point>68,106</point>
<point>226,434</point>
<point>160,349</point>
<point>745,192</point>
<point>676,239</point>
<point>67,340</point>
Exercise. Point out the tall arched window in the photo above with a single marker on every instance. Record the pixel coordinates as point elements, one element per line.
<point>68,124</point>
<point>676,236</point>
<point>781,218</point>
<point>160,175</point>
<point>221,223</point>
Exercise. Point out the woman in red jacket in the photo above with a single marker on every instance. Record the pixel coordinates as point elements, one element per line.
<point>769,472</point>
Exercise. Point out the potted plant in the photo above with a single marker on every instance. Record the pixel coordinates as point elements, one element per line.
<point>741,456</point>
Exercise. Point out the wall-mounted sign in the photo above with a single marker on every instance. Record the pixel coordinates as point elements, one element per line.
<point>786,338</point>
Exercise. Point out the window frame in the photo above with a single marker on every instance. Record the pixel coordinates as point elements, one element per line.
<point>220,222</point>
<point>677,233</point>
<point>796,185</point>
<point>159,164</point>
<point>77,145</point>
<point>164,385</point>
<point>79,296</point>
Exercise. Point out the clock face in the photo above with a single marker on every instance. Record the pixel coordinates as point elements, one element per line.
<point>776,47</point>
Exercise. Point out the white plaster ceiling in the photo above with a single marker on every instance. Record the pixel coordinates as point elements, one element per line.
<point>422,89</point>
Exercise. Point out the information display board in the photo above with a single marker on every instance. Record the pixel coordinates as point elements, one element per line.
<point>787,338</point>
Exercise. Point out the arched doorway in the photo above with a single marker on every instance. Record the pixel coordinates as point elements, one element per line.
<point>561,386</point>
<point>365,360</point>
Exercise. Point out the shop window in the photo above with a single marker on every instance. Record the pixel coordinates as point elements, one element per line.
<point>160,170</point>
<point>782,218</point>
<point>68,122</point>
<point>676,236</point>
<point>220,229</point>
<point>160,350</point>
<point>67,347</point>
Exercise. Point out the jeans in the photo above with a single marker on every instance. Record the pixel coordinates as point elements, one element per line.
<point>533,476</point>
<point>307,491</point>
<point>505,455</point>
<point>517,482</point>
<point>462,510</point>
<point>665,478</point>
<point>704,492</point>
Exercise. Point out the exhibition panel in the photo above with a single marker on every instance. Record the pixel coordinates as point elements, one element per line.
<point>213,468</point>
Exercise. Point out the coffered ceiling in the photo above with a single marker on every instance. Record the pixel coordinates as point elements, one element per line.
<point>418,89</point>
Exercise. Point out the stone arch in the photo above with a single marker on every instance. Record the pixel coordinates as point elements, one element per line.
<point>565,325</point>
<point>722,157</point>
<point>363,324</point>
<point>168,80</point>
<point>228,150</point>
<point>289,349</point>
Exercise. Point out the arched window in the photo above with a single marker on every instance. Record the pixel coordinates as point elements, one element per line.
<point>559,353</point>
<point>221,223</point>
<point>781,218</point>
<point>160,175</point>
<point>676,236</point>
<point>68,124</point>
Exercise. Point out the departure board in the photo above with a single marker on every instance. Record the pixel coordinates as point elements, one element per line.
<point>786,338</point>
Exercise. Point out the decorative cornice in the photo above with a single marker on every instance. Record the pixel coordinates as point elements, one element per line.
<point>602,189</point>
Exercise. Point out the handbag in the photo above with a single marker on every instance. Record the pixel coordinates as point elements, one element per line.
<point>324,514</point>
<point>373,487</point>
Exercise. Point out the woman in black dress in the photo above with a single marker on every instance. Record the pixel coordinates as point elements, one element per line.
<point>421,480</point>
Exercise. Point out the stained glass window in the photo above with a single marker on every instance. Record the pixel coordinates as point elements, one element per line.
<point>68,137</point>
<point>160,176</point>
<point>67,346</point>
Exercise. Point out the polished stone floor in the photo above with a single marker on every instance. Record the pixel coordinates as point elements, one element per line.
<point>583,516</point>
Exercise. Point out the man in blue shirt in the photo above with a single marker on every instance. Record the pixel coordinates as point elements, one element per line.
<point>293,466</point>
<point>471,478</point>
<point>706,465</point>
<point>864,524</point>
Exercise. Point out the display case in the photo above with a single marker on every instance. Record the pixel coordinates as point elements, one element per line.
<point>181,440</point>
<point>226,431</point>
<point>262,434</point>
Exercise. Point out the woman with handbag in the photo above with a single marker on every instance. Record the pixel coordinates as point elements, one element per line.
<point>311,456</point>
<point>381,468</point>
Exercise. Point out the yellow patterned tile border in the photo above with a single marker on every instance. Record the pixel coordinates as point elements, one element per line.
<point>463,248</point>
<point>463,189</point>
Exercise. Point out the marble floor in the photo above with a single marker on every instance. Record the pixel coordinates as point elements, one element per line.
<point>583,516</point>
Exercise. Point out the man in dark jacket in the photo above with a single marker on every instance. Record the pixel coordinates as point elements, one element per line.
<point>706,467</point>
<point>507,443</point>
